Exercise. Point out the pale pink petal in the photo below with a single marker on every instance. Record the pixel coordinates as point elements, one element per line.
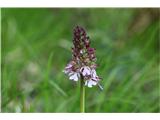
<point>85,70</point>
<point>94,74</point>
<point>69,66</point>
<point>90,83</point>
<point>74,76</point>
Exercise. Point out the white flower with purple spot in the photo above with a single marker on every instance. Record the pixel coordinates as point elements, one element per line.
<point>85,71</point>
<point>93,80</point>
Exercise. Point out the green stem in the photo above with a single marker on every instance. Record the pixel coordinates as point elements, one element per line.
<point>82,96</point>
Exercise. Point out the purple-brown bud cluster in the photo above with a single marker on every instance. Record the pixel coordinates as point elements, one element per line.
<point>82,50</point>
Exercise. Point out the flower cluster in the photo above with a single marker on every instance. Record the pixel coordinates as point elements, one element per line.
<point>82,65</point>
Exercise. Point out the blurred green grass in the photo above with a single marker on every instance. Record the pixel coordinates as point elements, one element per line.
<point>36,47</point>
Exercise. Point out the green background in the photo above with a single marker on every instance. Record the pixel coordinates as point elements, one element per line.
<point>36,46</point>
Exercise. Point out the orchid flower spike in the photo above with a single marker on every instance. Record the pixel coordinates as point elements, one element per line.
<point>83,63</point>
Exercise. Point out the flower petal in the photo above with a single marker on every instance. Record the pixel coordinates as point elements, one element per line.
<point>90,83</point>
<point>69,66</point>
<point>85,70</point>
<point>74,76</point>
<point>94,74</point>
<point>66,71</point>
